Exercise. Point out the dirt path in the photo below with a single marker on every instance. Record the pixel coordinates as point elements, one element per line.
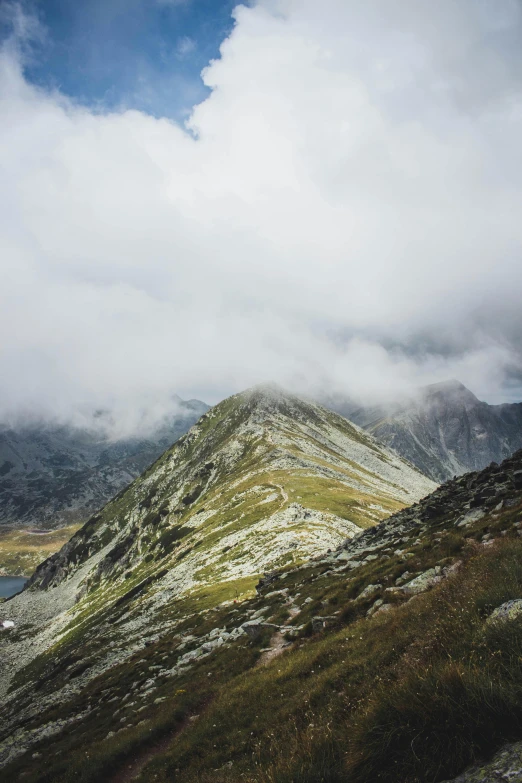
<point>277,645</point>
<point>283,493</point>
<point>278,642</point>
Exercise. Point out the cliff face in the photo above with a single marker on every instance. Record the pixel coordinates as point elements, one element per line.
<point>445,430</point>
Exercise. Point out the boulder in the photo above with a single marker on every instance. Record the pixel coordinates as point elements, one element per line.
<point>267,579</point>
<point>368,591</point>
<point>422,582</point>
<point>505,765</point>
<point>253,628</point>
<point>383,608</point>
<point>507,611</point>
<point>373,608</point>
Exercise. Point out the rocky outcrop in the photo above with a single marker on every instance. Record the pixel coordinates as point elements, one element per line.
<point>506,765</point>
<point>511,610</point>
<point>456,504</point>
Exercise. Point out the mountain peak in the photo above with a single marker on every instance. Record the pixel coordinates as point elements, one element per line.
<point>452,389</point>
<point>445,430</point>
<point>265,391</point>
<point>267,473</point>
<point>268,399</point>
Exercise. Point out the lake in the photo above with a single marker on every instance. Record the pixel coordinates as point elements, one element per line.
<point>9,585</point>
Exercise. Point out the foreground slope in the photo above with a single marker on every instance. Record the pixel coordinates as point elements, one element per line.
<point>444,430</point>
<point>53,475</point>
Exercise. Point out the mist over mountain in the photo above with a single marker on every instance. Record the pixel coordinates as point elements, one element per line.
<point>338,208</point>
<point>56,473</point>
<point>443,429</point>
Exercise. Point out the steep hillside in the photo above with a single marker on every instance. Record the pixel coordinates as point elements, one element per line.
<point>444,430</point>
<point>54,475</point>
<point>392,657</point>
<point>260,481</point>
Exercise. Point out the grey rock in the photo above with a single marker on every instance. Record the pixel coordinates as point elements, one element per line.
<point>506,765</point>
<point>253,628</point>
<point>444,430</point>
<point>422,582</point>
<point>507,611</point>
<point>368,591</point>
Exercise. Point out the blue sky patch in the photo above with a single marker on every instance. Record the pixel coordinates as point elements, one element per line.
<point>141,54</point>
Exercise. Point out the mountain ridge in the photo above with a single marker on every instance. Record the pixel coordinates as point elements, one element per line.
<point>253,442</point>
<point>444,430</point>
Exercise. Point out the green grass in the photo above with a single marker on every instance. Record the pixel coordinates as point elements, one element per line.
<point>412,696</point>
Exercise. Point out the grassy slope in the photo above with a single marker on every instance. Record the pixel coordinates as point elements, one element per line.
<point>408,696</point>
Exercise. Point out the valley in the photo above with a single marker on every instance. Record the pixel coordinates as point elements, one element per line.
<point>23,549</point>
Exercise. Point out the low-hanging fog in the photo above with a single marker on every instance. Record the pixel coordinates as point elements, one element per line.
<point>342,214</point>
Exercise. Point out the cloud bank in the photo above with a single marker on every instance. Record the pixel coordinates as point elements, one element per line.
<point>342,213</point>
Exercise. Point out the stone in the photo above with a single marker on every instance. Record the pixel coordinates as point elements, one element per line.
<point>506,612</point>
<point>383,608</point>
<point>452,569</point>
<point>368,591</point>
<point>470,517</point>
<point>422,582</point>
<point>267,579</point>
<point>505,765</point>
<point>254,628</point>
<point>379,602</point>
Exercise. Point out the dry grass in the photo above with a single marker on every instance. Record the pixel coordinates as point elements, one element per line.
<point>21,550</point>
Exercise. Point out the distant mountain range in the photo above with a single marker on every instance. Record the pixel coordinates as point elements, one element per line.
<point>57,474</point>
<point>444,430</point>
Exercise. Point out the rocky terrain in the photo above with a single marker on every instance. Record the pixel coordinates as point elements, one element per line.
<point>53,475</point>
<point>228,619</point>
<point>444,430</point>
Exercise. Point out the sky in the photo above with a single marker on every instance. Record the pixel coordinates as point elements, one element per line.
<point>197,196</point>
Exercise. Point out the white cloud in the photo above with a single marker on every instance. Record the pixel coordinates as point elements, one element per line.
<point>345,211</point>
